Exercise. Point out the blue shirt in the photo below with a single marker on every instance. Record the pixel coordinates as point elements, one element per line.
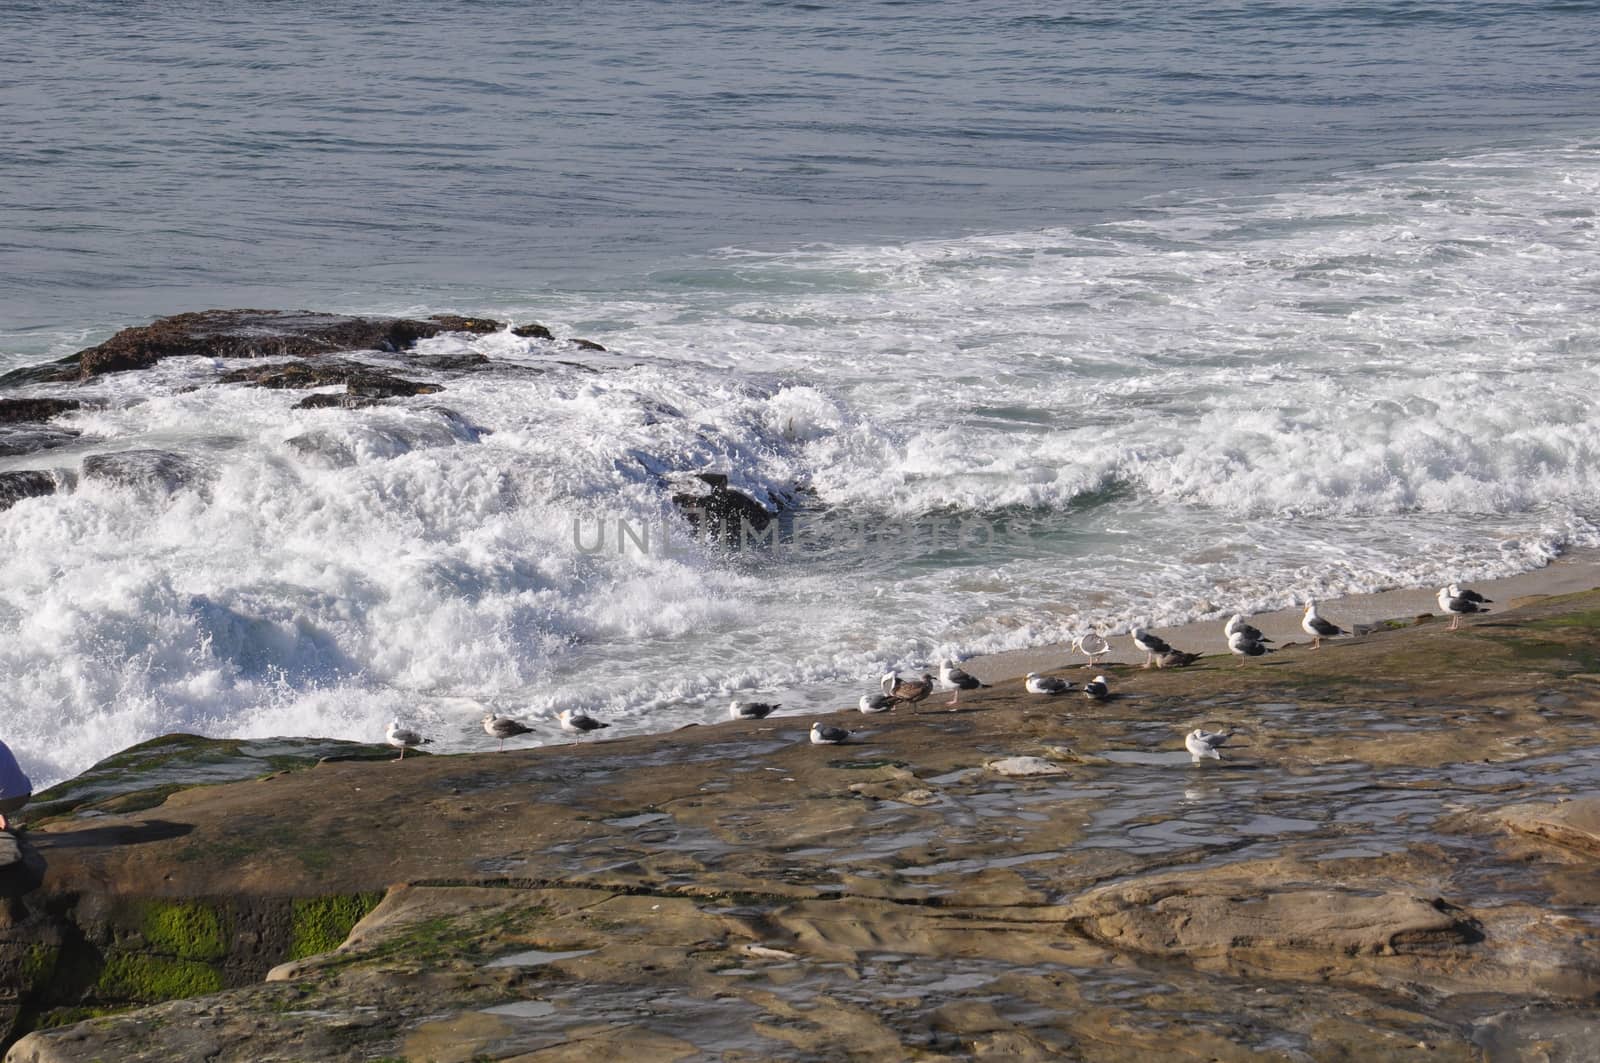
<point>13,781</point>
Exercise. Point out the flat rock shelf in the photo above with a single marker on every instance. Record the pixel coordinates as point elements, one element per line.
<point>1398,857</point>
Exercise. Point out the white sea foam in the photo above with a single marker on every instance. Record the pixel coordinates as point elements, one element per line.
<point>1381,380</point>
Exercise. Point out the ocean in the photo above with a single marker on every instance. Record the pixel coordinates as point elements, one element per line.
<point>1035,323</point>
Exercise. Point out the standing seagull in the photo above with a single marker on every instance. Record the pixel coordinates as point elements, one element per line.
<point>751,710</point>
<point>1203,744</point>
<point>871,703</point>
<point>909,691</point>
<point>1318,628</point>
<point>1459,601</point>
<point>1237,626</point>
<point>403,738</point>
<point>1092,645</point>
<point>1045,684</point>
<point>951,677</point>
<point>824,735</point>
<point>504,727</point>
<point>1150,644</point>
<point>1242,645</point>
<point>578,723</point>
<point>1097,689</point>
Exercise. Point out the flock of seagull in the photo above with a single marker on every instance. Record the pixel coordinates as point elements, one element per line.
<point>1244,640</point>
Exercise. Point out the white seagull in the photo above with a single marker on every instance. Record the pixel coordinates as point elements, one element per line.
<point>824,735</point>
<point>1092,645</point>
<point>751,710</point>
<point>1045,684</point>
<point>871,703</point>
<point>403,738</point>
<point>1459,601</point>
<point>504,727</point>
<point>953,678</point>
<point>1150,644</point>
<point>1236,626</point>
<point>1097,689</point>
<point>1318,628</point>
<point>1203,744</point>
<point>578,723</point>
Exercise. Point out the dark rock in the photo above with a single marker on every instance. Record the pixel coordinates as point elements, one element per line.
<point>449,362</point>
<point>141,468</point>
<point>722,513</point>
<point>588,345</point>
<point>15,486</point>
<point>261,334</point>
<point>333,401</point>
<point>15,410</point>
<point>364,384</point>
<point>60,371</point>
<point>27,438</point>
<point>533,332</point>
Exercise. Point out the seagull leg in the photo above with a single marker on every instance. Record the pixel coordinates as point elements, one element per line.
<point>1455,621</point>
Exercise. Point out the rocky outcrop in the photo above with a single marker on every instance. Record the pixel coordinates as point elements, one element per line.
<point>13,411</point>
<point>365,385</point>
<point>1343,887</point>
<point>720,514</point>
<point>15,486</point>
<point>253,334</point>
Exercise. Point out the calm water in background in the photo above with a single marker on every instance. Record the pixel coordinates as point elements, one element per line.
<point>1224,303</point>
<point>161,157</point>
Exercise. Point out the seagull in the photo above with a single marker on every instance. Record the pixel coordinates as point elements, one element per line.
<point>870,703</point>
<point>504,727</point>
<point>1092,645</point>
<point>1459,601</point>
<point>1045,684</point>
<point>1237,626</point>
<point>751,710</point>
<point>1203,744</point>
<point>1242,645</point>
<point>824,735</point>
<point>1097,689</point>
<point>403,738</point>
<point>1176,659</point>
<point>578,723</point>
<point>909,691</point>
<point>951,677</point>
<point>1150,644</point>
<point>1318,628</point>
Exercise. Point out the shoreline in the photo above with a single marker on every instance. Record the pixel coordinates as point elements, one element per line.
<point>1399,849</point>
<point>1577,570</point>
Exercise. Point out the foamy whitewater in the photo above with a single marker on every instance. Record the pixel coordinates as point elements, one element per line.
<point>1383,378</point>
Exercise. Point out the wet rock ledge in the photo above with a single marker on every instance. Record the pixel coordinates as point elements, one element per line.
<point>252,334</point>
<point>1398,858</point>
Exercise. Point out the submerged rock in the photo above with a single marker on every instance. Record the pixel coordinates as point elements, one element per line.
<point>720,513</point>
<point>28,438</point>
<point>15,486</point>
<point>160,469</point>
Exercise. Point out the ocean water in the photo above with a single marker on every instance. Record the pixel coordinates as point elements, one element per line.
<point>1041,323</point>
